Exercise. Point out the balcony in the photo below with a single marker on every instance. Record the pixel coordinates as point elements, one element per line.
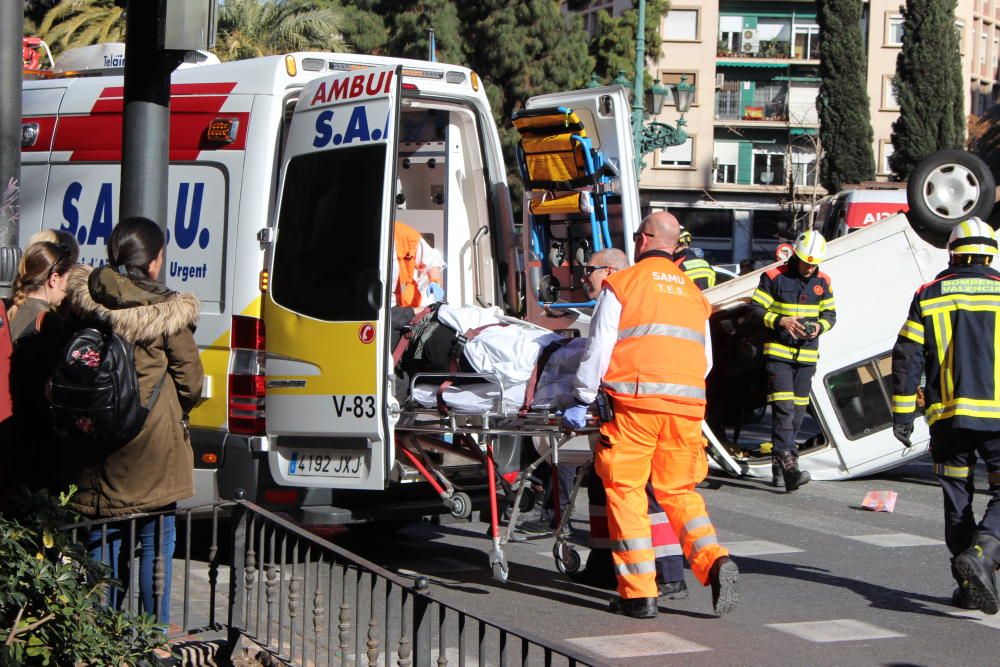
<point>768,103</point>
<point>769,49</point>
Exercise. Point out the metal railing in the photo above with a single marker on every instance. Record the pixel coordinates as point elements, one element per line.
<point>770,102</point>
<point>246,582</point>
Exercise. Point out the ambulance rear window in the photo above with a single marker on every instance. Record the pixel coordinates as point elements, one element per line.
<point>326,255</point>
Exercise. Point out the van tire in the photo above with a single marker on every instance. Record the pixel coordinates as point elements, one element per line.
<point>946,188</point>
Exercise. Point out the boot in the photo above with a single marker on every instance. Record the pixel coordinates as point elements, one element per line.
<point>633,607</point>
<point>975,566</point>
<point>960,596</point>
<point>723,577</point>
<point>794,478</point>
<point>777,479</point>
<point>673,590</point>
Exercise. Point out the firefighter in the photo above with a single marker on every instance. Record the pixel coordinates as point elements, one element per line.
<point>648,353</point>
<point>949,335</point>
<point>692,262</point>
<point>794,302</point>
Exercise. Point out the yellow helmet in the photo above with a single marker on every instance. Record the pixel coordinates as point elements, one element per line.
<point>685,236</point>
<point>810,247</point>
<point>972,237</point>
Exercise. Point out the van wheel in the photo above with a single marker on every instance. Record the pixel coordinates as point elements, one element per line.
<point>946,188</point>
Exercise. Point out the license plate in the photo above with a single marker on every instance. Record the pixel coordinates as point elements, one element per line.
<point>325,464</point>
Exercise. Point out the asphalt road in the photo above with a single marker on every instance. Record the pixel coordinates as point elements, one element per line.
<point>823,582</point>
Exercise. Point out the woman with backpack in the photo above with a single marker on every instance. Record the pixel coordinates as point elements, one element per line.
<point>154,469</point>
<point>36,332</point>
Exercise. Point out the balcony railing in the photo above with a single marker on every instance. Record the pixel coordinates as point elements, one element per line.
<point>769,103</point>
<point>763,49</point>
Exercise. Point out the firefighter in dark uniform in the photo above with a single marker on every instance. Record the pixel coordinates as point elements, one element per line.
<point>950,335</point>
<point>794,302</point>
<point>693,263</point>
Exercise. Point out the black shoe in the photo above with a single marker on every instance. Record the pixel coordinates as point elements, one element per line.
<point>673,590</point>
<point>592,577</point>
<point>976,567</point>
<point>777,479</point>
<point>794,478</point>
<point>535,527</point>
<point>960,598</point>
<point>723,577</point>
<point>634,607</point>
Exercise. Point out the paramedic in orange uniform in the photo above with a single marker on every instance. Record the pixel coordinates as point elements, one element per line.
<point>416,269</point>
<point>649,351</point>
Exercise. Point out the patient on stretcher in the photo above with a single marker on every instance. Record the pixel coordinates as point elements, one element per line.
<point>520,359</point>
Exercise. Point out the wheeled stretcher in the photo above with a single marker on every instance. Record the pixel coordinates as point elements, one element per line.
<point>567,186</point>
<point>463,414</point>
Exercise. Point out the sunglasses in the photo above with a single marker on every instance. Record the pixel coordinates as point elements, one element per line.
<point>588,270</point>
<point>636,235</point>
<point>63,254</point>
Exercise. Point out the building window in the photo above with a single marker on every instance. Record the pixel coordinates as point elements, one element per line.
<point>768,165</point>
<point>678,157</point>
<point>672,79</point>
<point>894,30</point>
<point>806,42</point>
<point>681,25</point>
<point>804,166</point>
<point>885,152</point>
<point>996,56</point>
<point>725,160</point>
<point>730,35</point>
<point>960,30</point>
<point>889,101</point>
<point>983,46</point>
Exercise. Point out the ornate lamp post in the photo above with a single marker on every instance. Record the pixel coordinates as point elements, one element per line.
<point>648,137</point>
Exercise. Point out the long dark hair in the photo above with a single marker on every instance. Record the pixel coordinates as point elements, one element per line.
<point>39,261</point>
<point>134,243</point>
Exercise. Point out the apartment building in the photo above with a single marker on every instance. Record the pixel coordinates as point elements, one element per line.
<point>749,168</point>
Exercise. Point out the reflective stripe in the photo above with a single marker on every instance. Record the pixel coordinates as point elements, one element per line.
<point>645,567</point>
<point>655,389</point>
<point>953,302</point>
<point>631,544</point>
<point>965,407</point>
<point>957,472</point>
<point>694,524</point>
<point>780,351</point>
<point>771,320</point>
<point>801,400</point>
<point>912,331</point>
<point>795,309</point>
<point>904,405</point>
<point>668,550</point>
<point>827,304</point>
<point>780,396</point>
<point>701,543</point>
<point>662,330</point>
<point>657,518</point>
<point>825,325</point>
<point>763,298</point>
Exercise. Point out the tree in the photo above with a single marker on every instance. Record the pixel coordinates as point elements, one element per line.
<point>843,98</point>
<point>929,86</point>
<point>613,47</point>
<point>73,23</point>
<point>252,28</point>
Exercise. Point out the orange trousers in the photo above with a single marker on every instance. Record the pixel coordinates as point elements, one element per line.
<point>668,450</point>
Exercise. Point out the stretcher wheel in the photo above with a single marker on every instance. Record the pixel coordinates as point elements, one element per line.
<point>461,505</point>
<point>567,558</point>
<point>501,571</point>
<point>528,500</point>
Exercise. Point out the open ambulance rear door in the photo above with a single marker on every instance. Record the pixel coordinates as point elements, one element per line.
<point>326,307</point>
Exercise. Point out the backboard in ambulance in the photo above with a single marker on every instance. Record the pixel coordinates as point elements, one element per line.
<point>326,307</point>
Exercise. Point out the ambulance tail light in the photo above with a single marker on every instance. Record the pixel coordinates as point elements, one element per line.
<point>410,86</point>
<point>247,381</point>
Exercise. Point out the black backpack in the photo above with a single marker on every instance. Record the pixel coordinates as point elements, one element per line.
<point>94,390</point>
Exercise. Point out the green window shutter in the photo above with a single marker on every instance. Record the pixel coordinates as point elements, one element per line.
<point>744,171</point>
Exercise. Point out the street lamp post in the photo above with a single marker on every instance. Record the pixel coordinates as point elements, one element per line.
<point>647,137</point>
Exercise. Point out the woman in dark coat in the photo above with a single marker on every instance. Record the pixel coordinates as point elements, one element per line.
<point>156,468</point>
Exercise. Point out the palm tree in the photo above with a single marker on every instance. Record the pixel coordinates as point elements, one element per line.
<point>252,28</point>
<point>74,23</point>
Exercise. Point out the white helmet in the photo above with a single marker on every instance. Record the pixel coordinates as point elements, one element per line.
<point>972,237</point>
<point>810,247</point>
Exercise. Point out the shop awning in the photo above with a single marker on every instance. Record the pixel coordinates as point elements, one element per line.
<point>803,131</point>
<point>747,63</point>
<point>799,79</point>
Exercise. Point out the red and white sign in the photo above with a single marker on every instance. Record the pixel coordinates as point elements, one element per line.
<point>863,214</point>
<point>366,334</point>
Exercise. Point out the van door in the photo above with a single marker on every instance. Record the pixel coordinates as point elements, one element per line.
<point>326,308</point>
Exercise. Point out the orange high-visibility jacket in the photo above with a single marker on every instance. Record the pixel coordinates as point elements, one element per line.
<point>659,360</point>
<point>406,240</point>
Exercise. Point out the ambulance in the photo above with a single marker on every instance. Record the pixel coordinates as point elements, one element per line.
<point>284,182</point>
